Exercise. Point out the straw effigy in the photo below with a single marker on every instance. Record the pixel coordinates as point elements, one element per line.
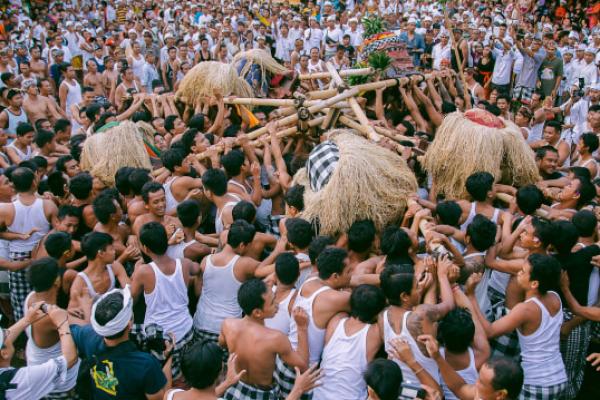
<point>208,76</point>
<point>369,181</point>
<point>120,146</point>
<point>478,141</point>
<point>256,67</point>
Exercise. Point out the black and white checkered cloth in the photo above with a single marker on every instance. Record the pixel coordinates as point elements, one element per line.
<point>273,227</point>
<point>202,336</point>
<point>244,391</point>
<point>321,164</point>
<point>506,345</point>
<point>285,376</point>
<point>573,351</point>
<point>70,395</point>
<point>18,284</point>
<point>554,392</point>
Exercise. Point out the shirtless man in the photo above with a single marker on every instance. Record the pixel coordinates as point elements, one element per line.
<point>180,187</point>
<point>102,271</point>
<point>39,67</point>
<point>215,190</point>
<point>258,347</point>
<point>155,203</point>
<point>93,79</point>
<point>38,107</point>
<point>109,77</point>
<point>129,81</point>
<point>136,207</point>
<point>46,91</point>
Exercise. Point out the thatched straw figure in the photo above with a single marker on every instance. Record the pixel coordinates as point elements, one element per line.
<point>202,80</point>
<point>256,67</point>
<point>478,141</point>
<point>364,180</point>
<point>121,146</point>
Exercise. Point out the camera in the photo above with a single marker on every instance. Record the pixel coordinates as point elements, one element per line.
<point>411,392</point>
<point>151,339</point>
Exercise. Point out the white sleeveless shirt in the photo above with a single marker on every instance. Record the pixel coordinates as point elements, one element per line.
<point>73,96</point>
<point>14,120</point>
<point>473,212</point>
<point>172,202</point>
<point>542,347</point>
<point>469,374</point>
<point>343,365</point>
<point>167,304</point>
<point>219,296</point>
<point>27,218</point>
<point>316,335</point>
<point>219,228</point>
<point>90,287</point>
<point>427,363</point>
<point>281,320</point>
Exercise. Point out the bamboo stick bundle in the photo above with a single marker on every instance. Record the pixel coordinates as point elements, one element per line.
<point>343,73</point>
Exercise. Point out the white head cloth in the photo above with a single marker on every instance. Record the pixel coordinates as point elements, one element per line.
<point>120,321</point>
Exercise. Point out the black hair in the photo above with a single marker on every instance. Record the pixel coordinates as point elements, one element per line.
<point>43,137</point>
<point>581,173</point>
<point>317,245</point>
<point>244,210</point>
<point>80,186</point>
<point>366,302</point>
<point>543,230</point>
<point>554,125</point>
<point>294,197</point>
<point>361,235</point>
<point>299,232</point>
<point>482,232</point>
<point>448,212</point>
<point>545,270</point>
<point>172,158</point>
<point>42,274</point>
<point>240,232</point>
<point>287,268</point>
<point>107,309</point>
<point>122,180</point>
<point>232,162</point>
<point>384,377</point>
<point>68,211</point>
<point>57,243</point>
<point>201,364</point>
<point>331,261</point>
<point>40,162</point>
<point>215,180</point>
<point>104,207</point>
<point>587,192</point>
<point>565,236</point>
<point>397,279</point>
<point>456,330</point>
<point>196,122</point>
<point>188,139</point>
<point>154,236</point>
<point>529,199</point>
<point>448,107</point>
<point>508,375</point>
<point>590,140</point>
<point>61,124</point>
<point>188,212</point>
<point>250,295</point>
<point>22,179</point>
<point>585,221</point>
<point>395,242</point>
<point>62,160</point>
<point>542,151</point>
<point>150,187</point>
<point>170,122</point>
<point>93,242</point>
<point>479,184</point>
<point>137,179</point>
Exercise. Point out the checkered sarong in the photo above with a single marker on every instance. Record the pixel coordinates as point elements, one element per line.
<point>244,391</point>
<point>554,392</point>
<point>321,164</point>
<point>285,376</point>
<point>18,284</point>
<point>573,350</point>
<point>273,227</point>
<point>523,94</point>
<point>180,346</point>
<point>202,336</point>
<point>506,345</point>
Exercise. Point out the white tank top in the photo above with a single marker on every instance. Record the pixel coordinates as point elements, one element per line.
<point>305,272</point>
<point>469,374</point>
<point>281,320</point>
<point>542,347</point>
<point>175,251</point>
<point>536,132</point>
<point>473,213</point>
<point>343,365</point>
<point>171,393</point>
<point>172,202</point>
<point>37,355</point>
<point>23,156</point>
<point>167,304</point>
<point>73,96</point>
<point>90,286</point>
<point>14,120</point>
<point>138,66</point>
<point>219,296</point>
<point>219,218</point>
<point>316,335</point>
<point>27,218</point>
<point>427,363</point>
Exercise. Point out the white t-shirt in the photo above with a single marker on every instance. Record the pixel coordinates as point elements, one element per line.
<point>37,381</point>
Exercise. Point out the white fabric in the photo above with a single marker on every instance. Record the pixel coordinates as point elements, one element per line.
<point>37,381</point>
<point>170,199</point>
<point>90,287</point>
<point>26,218</point>
<point>281,320</point>
<point>120,321</point>
<point>469,374</point>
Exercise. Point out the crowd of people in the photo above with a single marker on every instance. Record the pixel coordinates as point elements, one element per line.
<point>200,278</point>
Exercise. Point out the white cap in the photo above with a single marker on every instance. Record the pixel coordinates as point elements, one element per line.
<point>411,20</point>
<point>581,47</point>
<point>297,19</point>
<point>427,18</point>
<point>355,20</point>
<point>327,3</point>
<point>595,86</point>
<point>590,50</point>
<point>331,18</point>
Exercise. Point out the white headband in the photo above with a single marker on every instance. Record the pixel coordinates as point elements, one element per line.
<point>120,321</point>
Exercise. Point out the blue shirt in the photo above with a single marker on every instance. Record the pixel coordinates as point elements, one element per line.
<point>417,42</point>
<point>129,375</point>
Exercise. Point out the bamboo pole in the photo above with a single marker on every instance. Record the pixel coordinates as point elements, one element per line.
<point>344,73</point>
<point>286,111</point>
